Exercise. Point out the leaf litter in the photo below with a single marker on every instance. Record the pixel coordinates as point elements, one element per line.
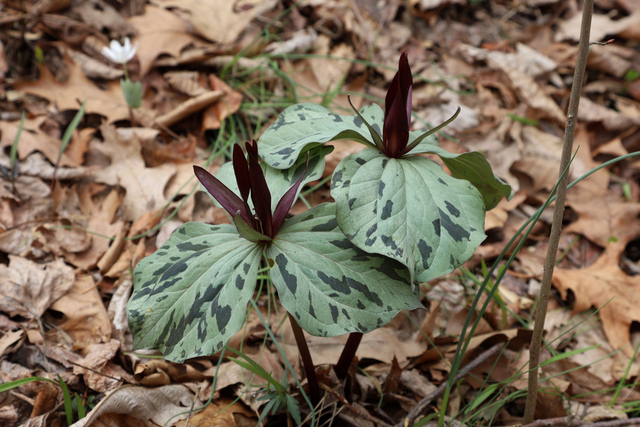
<point>66,254</point>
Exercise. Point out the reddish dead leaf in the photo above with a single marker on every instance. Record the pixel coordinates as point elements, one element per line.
<point>605,286</point>
<point>230,103</point>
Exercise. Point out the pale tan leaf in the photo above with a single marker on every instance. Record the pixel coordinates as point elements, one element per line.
<point>29,289</point>
<point>219,21</point>
<point>144,186</point>
<point>85,318</point>
<point>159,32</point>
<point>153,406</point>
<point>603,285</point>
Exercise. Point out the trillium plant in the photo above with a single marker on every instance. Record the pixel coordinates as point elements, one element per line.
<point>339,268</point>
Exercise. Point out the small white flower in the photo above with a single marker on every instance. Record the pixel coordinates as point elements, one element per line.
<point>118,53</point>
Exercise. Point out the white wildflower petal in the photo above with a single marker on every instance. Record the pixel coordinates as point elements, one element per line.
<point>118,53</point>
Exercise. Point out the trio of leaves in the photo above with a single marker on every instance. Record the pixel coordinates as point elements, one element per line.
<point>338,268</point>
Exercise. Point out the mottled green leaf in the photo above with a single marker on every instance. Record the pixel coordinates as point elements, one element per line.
<point>191,295</point>
<point>408,209</point>
<point>279,181</point>
<point>329,285</point>
<point>472,166</point>
<point>302,126</point>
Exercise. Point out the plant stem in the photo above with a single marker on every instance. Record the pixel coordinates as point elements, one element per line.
<point>307,362</point>
<point>348,353</point>
<point>558,211</point>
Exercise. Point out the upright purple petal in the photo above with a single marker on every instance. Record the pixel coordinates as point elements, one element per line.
<point>227,198</point>
<point>397,117</point>
<point>260,194</point>
<point>287,200</point>
<point>241,170</point>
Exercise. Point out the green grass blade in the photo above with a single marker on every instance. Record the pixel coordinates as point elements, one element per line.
<point>14,147</point>
<point>81,411</point>
<point>68,405</point>
<point>17,383</point>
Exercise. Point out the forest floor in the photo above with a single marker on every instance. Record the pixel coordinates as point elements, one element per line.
<point>76,218</point>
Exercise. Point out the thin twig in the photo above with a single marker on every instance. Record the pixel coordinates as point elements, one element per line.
<point>558,211</point>
<point>419,408</point>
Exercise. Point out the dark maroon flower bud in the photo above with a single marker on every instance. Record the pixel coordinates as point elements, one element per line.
<point>261,226</point>
<point>397,110</point>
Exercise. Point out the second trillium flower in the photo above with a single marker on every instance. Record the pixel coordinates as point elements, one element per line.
<point>394,142</point>
<point>263,225</point>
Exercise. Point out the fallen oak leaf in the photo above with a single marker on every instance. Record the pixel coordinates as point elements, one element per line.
<point>605,286</point>
<point>78,87</point>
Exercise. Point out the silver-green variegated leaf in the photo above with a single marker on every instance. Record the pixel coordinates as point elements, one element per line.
<point>329,285</point>
<point>472,166</point>
<point>302,126</point>
<point>306,125</point>
<point>408,209</point>
<point>279,180</point>
<point>191,295</point>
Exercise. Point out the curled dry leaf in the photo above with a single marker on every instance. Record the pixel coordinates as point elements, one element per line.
<point>28,289</point>
<point>153,406</point>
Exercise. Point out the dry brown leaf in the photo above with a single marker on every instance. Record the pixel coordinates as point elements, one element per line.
<point>601,26</point>
<point>28,289</point>
<point>117,312</point>
<point>100,14</point>
<point>221,412</point>
<point>219,21</point>
<point>185,82</point>
<point>152,406</point>
<point>381,344</point>
<point>32,138</point>
<point>94,69</point>
<point>611,120</point>
<point>77,89</point>
<point>604,285</point>
<point>144,186</point>
<point>530,92</point>
<point>215,114</point>
<point>603,217</point>
<point>85,318</point>
<point>159,32</point>
<point>9,339</point>
<point>99,373</point>
<point>526,60</point>
<point>100,221</point>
